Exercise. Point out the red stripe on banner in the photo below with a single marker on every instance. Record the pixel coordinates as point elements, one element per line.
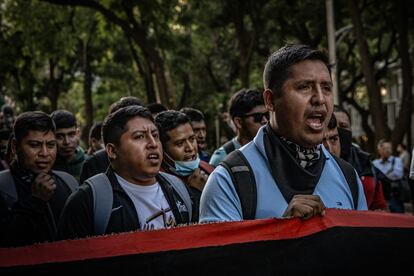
<point>195,236</point>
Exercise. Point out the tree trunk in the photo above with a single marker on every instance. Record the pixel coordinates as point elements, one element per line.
<point>146,73</point>
<point>138,33</point>
<point>186,91</point>
<point>375,104</point>
<point>53,86</point>
<point>87,90</point>
<point>403,123</point>
<point>245,43</point>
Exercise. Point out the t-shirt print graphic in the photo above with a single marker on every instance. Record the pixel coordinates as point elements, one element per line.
<point>166,217</point>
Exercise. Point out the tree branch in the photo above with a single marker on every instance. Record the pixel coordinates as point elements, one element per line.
<point>92,4</point>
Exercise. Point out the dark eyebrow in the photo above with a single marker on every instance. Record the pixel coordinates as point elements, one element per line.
<point>327,83</point>
<point>41,142</point>
<point>179,141</point>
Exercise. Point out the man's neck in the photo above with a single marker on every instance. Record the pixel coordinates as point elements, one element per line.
<point>243,140</point>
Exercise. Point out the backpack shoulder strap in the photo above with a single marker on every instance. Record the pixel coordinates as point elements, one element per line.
<point>243,180</point>
<point>68,179</point>
<point>350,177</point>
<point>8,187</point>
<point>102,201</point>
<point>179,186</point>
<point>229,146</point>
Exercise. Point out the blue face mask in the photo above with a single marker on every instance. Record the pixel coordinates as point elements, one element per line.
<point>186,168</point>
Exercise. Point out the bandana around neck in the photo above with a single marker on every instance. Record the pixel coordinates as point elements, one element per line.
<point>289,175</point>
<point>305,156</point>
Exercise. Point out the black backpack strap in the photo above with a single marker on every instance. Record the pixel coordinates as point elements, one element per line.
<point>180,188</point>
<point>102,201</point>
<point>8,188</point>
<point>350,177</point>
<point>244,181</point>
<point>68,179</point>
<point>229,146</point>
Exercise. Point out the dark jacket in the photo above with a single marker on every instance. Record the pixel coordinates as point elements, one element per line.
<point>77,218</point>
<point>31,220</point>
<point>195,194</point>
<point>74,167</point>
<point>98,162</point>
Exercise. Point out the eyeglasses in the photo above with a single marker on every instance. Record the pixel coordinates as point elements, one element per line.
<point>257,117</point>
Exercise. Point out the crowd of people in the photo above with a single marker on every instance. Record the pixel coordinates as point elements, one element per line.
<point>147,167</point>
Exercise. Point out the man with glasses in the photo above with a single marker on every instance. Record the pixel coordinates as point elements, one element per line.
<point>248,113</point>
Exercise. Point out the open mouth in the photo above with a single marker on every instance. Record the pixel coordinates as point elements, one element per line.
<point>316,121</point>
<point>154,156</point>
<point>190,158</point>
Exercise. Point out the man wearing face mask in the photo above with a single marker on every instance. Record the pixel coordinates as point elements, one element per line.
<point>181,153</point>
<point>360,160</point>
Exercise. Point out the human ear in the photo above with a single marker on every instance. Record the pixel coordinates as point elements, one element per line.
<point>111,151</point>
<point>238,122</point>
<point>13,145</point>
<point>268,99</point>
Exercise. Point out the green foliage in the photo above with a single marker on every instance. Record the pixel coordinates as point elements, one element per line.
<point>206,48</point>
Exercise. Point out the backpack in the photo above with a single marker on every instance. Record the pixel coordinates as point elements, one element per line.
<point>103,198</point>
<point>8,187</point>
<point>244,181</point>
<point>229,147</point>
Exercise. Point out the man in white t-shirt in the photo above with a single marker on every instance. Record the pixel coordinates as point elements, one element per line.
<point>143,199</point>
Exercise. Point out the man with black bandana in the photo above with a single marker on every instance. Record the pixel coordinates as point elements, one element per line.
<point>361,161</point>
<point>294,175</point>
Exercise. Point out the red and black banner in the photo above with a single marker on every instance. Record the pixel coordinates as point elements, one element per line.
<point>340,242</point>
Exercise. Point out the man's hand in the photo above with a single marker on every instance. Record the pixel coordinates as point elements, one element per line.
<point>305,207</point>
<point>43,186</point>
<point>198,179</point>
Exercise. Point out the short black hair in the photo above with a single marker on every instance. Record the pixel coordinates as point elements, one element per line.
<point>63,119</point>
<point>124,102</point>
<point>277,68</point>
<point>156,108</point>
<point>96,131</point>
<point>115,124</point>
<point>32,121</point>
<point>243,101</point>
<point>7,109</point>
<point>338,108</point>
<point>5,134</point>
<point>383,141</point>
<point>332,122</point>
<point>192,113</point>
<point>168,120</point>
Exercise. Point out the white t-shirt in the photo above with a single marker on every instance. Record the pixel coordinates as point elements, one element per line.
<point>152,207</point>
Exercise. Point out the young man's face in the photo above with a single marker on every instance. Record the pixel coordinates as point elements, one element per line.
<point>182,145</point>
<point>343,120</point>
<point>96,144</point>
<point>37,151</point>
<point>200,132</point>
<point>67,141</point>
<point>331,141</point>
<point>305,104</point>
<point>138,156</point>
<point>253,120</point>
